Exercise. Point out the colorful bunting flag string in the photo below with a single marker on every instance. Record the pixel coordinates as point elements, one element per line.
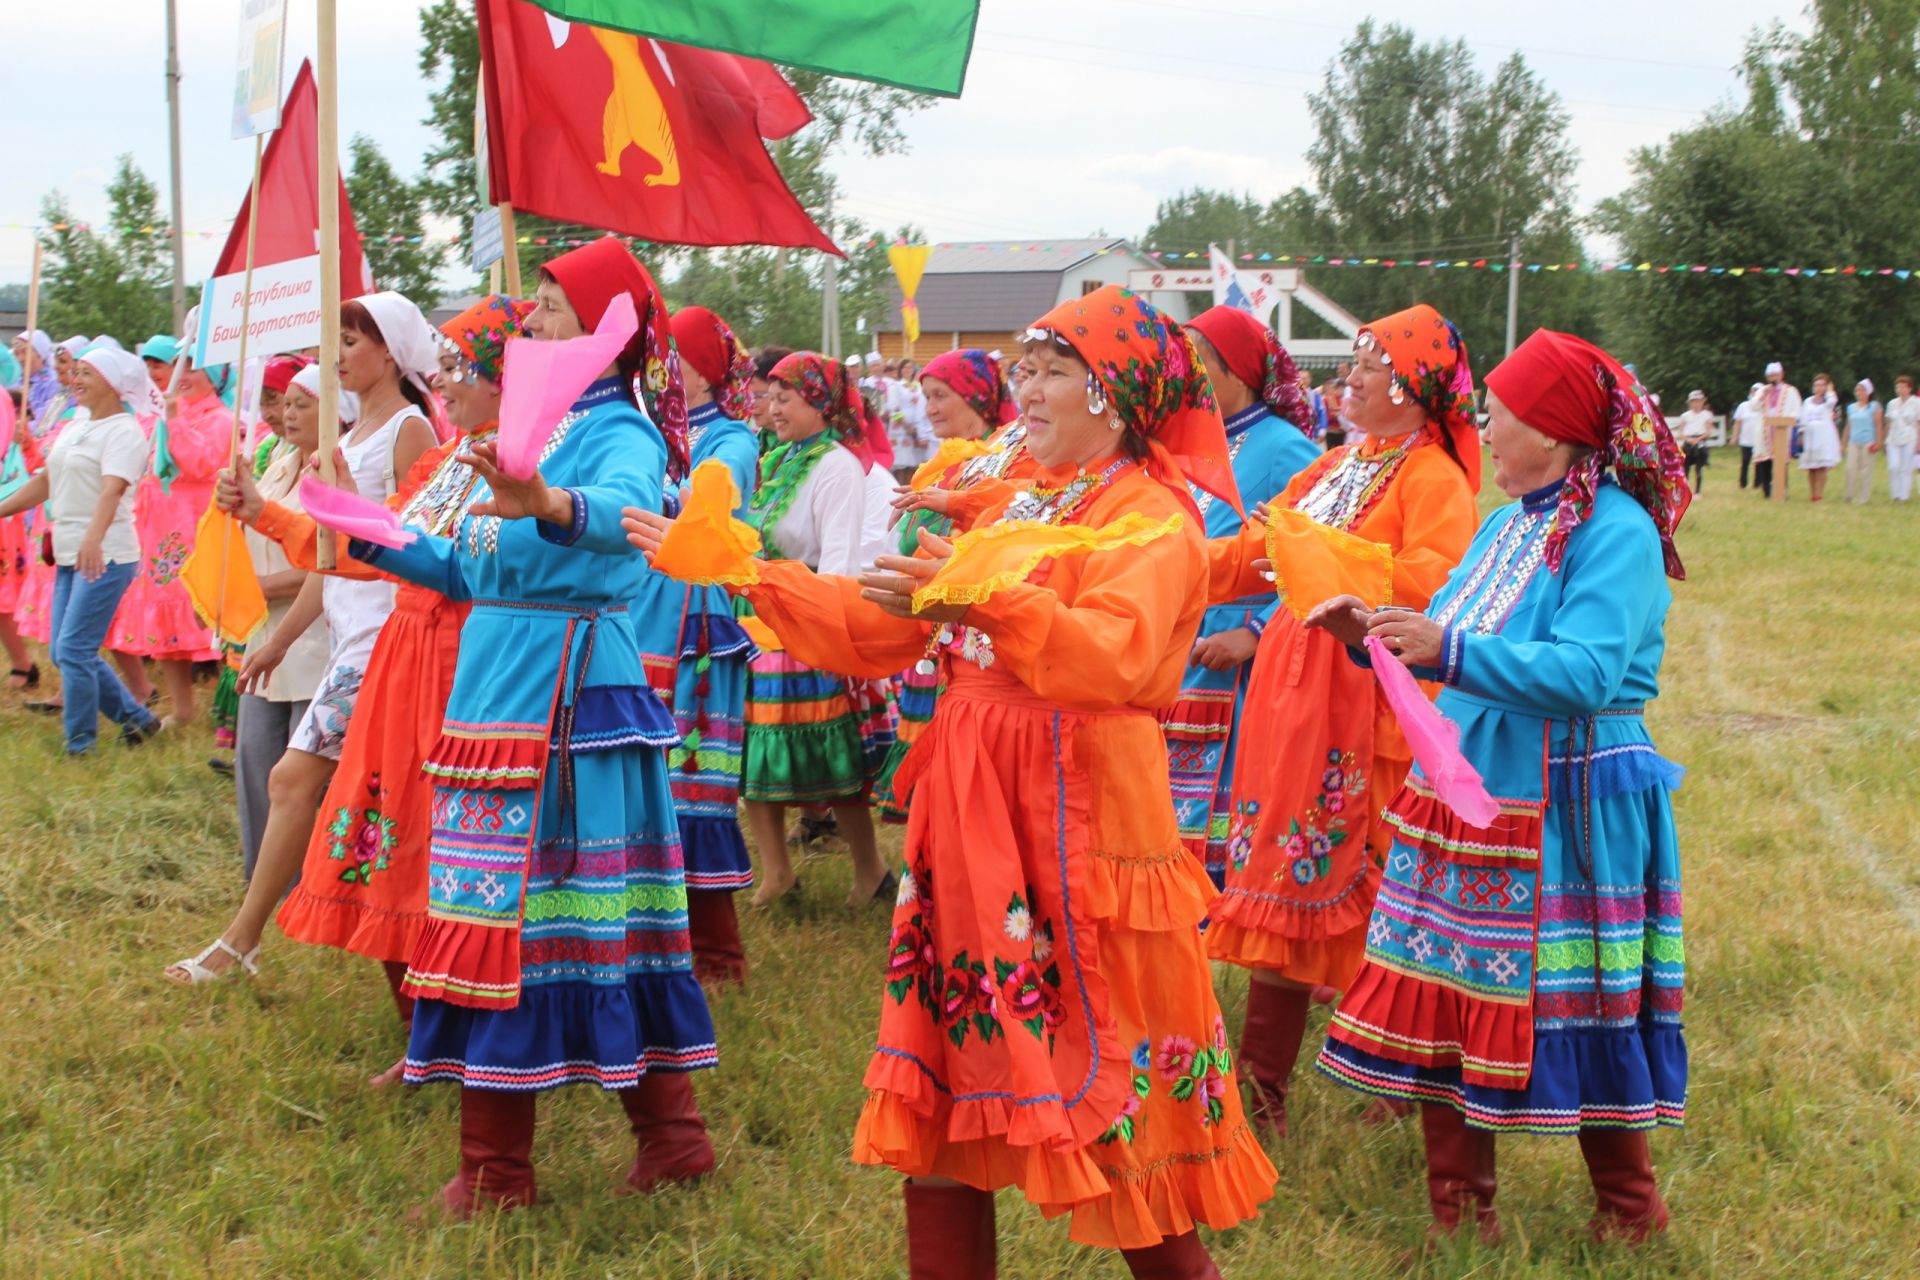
<point>574,236</point>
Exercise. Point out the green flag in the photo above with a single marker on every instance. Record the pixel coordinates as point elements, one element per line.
<point>914,44</point>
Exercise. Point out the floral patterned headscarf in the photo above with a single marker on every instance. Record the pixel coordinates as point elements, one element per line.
<point>825,384</point>
<point>590,276</point>
<point>975,378</point>
<point>1153,378</point>
<point>478,335</point>
<point>1567,388</point>
<point>1254,355</point>
<point>706,343</point>
<point>1429,364</point>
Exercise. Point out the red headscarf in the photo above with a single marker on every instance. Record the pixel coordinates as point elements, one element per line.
<point>1153,378</point>
<point>975,378</point>
<point>591,277</point>
<point>825,384</point>
<point>1429,363</point>
<point>707,343</point>
<point>278,375</point>
<point>1254,355</point>
<point>1569,389</point>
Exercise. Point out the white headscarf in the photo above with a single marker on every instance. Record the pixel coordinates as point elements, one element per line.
<point>308,380</point>
<point>1864,382</point>
<point>127,374</point>
<point>109,341</point>
<point>413,343</point>
<point>41,344</point>
<point>73,346</point>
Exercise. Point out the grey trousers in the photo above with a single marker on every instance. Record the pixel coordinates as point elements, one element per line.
<point>259,740</point>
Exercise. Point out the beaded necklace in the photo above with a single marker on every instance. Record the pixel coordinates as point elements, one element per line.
<point>1039,504</point>
<point>438,504</point>
<point>781,475</point>
<point>991,466</point>
<point>1348,490</point>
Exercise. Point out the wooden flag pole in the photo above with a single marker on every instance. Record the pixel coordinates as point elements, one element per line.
<point>33,312</point>
<point>240,399</point>
<point>511,243</point>
<point>327,82</point>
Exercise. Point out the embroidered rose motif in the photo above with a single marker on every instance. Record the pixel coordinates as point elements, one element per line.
<point>1175,1056</point>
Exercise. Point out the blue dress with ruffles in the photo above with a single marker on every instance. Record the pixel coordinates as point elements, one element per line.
<point>1529,973</point>
<point>556,948</point>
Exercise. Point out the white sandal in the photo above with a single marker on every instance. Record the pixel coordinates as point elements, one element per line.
<point>197,971</point>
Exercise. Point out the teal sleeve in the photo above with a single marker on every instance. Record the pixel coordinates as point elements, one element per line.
<point>428,561</point>
<point>627,469</point>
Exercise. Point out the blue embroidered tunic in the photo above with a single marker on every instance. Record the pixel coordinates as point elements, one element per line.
<point>1529,973</point>
<point>1202,727</point>
<point>556,947</point>
<point>696,656</point>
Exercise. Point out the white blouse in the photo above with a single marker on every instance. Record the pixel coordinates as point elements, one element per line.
<point>823,528</point>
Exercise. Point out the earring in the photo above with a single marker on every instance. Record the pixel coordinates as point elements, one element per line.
<point>1096,396</point>
<point>1114,423</point>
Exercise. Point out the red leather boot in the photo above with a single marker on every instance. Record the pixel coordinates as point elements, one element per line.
<point>1460,1177</point>
<point>671,1138</point>
<point>1175,1258</point>
<point>1629,1205</point>
<point>1268,1048</point>
<point>719,957</point>
<point>496,1154</point>
<point>950,1233</point>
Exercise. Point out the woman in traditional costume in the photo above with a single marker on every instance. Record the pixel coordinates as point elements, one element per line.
<point>1525,976</point>
<point>1319,751</point>
<point>19,460</point>
<point>970,411</point>
<point>386,350</point>
<point>363,884</point>
<point>555,949</point>
<point>803,741</point>
<point>697,655</point>
<point>33,612</point>
<point>1048,1019</point>
<point>1269,440</point>
<point>190,442</point>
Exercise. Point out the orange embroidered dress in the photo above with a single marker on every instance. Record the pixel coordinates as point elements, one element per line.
<point>1047,1018</point>
<point>1321,753</point>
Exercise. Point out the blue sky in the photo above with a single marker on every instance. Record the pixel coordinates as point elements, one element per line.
<point>1037,147</point>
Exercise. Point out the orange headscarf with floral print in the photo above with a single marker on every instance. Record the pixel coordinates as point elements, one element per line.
<point>1154,379</point>
<point>1429,363</point>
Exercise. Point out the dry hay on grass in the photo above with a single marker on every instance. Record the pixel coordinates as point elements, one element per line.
<point>148,1131</point>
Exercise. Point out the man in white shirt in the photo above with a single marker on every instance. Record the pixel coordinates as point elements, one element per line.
<point>1778,399</point>
<point>1903,428</point>
<point>1746,429</point>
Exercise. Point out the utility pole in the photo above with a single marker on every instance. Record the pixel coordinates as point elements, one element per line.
<point>173,139</point>
<point>1513,293</point>
<point>830,297</point>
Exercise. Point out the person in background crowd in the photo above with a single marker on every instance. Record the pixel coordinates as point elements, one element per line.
<point>1747,429</point>
<point>1316,405</point>
<point>87,486</point>
<point>763,363</point>
<point>1819,431</point>
<point>34,352</point>
<point>1778,399</point>
<point>274,380</point>
<point>905,411</point>
<point>1696,425</point>
<point>1902,418</point>
<point>19,460</point>
<point>1866,429</point>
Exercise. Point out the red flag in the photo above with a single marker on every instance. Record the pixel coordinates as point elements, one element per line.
<point>290,198</point>
<point>640,137</point>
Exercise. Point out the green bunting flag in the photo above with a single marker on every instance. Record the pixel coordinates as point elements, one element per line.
<point>913,44</point>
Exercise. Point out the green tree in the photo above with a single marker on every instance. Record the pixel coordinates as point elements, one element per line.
<point>112,278</point>
<point>387,209</point>
<point>1814,169</point>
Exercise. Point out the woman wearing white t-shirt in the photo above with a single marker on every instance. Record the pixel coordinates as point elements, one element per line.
<point>87,486</point>
<point>387,353</point>
<point>1748,428</point>
<point>1903,429</point>
<point>1696,424</point>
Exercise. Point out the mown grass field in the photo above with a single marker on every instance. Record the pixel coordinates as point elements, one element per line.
<point>151,1131</point>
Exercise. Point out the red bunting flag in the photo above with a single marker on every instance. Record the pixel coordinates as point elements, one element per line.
<point>635,135</point>
<point>290,198</point>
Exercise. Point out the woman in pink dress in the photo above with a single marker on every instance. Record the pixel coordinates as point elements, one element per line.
<point>157,619</point>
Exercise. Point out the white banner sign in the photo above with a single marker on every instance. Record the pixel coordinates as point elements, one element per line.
<point>285,315</point>
<point>256,81</point>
